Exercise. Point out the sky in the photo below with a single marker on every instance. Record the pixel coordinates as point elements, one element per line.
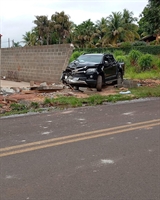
<point>17,16</point>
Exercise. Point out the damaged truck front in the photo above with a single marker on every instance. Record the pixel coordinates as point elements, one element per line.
<point>94,71</point>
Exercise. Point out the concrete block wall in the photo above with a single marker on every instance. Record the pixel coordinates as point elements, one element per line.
<point>37,63</point>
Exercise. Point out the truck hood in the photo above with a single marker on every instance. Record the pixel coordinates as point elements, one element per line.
<point>76,64</point>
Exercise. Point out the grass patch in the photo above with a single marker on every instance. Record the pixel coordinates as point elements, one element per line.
<point>14,112</point>
<point>152,74</point>
<point>94,100</point>
<point>63,102</point>
<point>18,107</point>
<point>142,92</point>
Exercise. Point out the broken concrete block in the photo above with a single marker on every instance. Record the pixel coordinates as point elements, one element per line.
<point>16,89</point>
<point>31,83</point>
<point>7,91</point>
<point>43,84</point>
<point>8,99</point>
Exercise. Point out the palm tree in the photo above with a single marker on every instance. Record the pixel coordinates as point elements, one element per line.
<point>43,28</point>
<point>30,38</point>
<point>83,33</point>
<point>60,24</point>
<point>16,44</point>
<point>115,28</point>
<point>131,29</point>
<point>100,32</point>
<point>120,28</point>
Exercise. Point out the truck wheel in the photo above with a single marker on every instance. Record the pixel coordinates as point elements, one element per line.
<point>119,79</point>
<point>99,83</point>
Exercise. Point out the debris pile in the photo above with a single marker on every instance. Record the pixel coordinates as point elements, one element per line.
<point>37,92</point>
<point>34,93</point>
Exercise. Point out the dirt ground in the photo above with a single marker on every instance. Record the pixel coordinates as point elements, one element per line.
<point>34,95</point>
<point>27,94</point>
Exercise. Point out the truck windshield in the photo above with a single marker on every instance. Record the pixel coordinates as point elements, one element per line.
<point>90,58</point>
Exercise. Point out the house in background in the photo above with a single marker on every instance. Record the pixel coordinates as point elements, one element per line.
<point>148,38</point>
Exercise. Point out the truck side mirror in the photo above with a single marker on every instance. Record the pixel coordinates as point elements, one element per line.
<point>106,63</point>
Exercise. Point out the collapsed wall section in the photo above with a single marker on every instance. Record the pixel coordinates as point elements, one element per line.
<point>36,63</point>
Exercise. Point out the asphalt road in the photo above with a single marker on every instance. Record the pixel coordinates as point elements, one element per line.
<point>107,152</point>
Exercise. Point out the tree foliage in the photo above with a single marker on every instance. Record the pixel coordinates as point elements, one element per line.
<point>150,18</point>
<point>60,24</point>
<point>116,28</point>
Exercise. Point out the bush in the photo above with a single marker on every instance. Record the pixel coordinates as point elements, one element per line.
<point>125,45</point>
<point>134,55</point>
<point>145,62</point>
<point>118,53</point>
<point>18,107</point>
<point>154,42</point>
<point>139,43</point>
<point>151,49</point>
<point>121,59</point>
<point>75,55</point>
<point>156,62</point>
<point>34,105</point>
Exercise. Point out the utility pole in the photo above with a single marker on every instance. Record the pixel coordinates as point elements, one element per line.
<point>0,40</point>
<point>8,43</point>
<point>12,43</point>
<point>0,59</point>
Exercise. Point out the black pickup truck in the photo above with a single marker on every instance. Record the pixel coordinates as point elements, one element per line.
<point>94,71</point>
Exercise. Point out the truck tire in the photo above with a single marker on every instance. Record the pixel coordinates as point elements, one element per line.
<point>99,83</point>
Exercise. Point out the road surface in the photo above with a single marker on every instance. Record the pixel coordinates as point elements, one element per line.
<point>107,152</point>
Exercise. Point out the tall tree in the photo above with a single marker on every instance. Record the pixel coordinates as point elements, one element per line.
<point>82,35</point>
<point>42,28</point>
<point>130,27</point>
<point>30,38</point>
<point>100,32</point>
<point>121,28</point>
<point>115,28</point>
<point>60,24</point>
<point>149,22</point>
<point>16,44</point>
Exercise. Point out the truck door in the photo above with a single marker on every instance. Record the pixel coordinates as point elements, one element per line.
<point>109,67</point>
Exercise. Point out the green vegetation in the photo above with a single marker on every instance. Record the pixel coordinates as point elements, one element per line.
<point>117,33</point>
<point>132,74</point>
<point>118,29</point>
<point>18,107</point>
<point>138,65</point>
<point>151,49</point>
<point>34,105</point>
<point>145,62</point>
<point>75,55</point>
<point>150,19</point>
<point>133,56</point>
<point>142,92</point>
<point>63,102</point>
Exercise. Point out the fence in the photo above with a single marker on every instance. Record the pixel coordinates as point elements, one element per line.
<point>37,63</point>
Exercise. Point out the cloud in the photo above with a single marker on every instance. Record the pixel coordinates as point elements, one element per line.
<point>17,16</point>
